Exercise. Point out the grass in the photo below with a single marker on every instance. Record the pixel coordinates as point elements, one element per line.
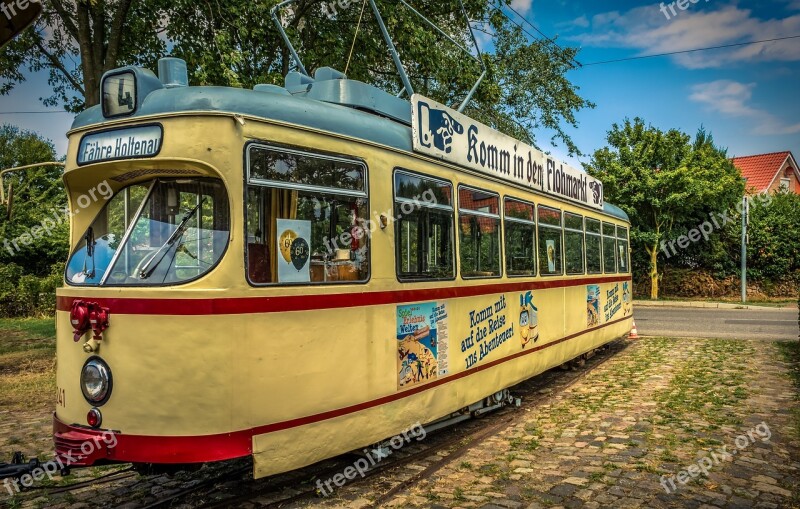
<point>790,350</point>
<point>707,388</point>
<point>773,302</point>
<point>489,468</point>
<point>24,334</point>
<point>596,476</point>
<point>27,364</point>
<point>532,445</point>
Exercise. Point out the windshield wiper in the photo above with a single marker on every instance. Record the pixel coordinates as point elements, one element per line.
<point>89,238</point>
<point>150,267</point>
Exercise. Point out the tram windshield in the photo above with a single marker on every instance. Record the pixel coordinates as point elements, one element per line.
<point>165,231</point>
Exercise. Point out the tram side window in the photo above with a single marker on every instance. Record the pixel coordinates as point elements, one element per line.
<point>424,227</point>
<point>479,233</point>
<point>307,218</point>
<point>622,249</point>
<point>520,238</point>
<point>549,241</point>
<point>594,248</point>
<point>609,249</point>
<point>573,243</point>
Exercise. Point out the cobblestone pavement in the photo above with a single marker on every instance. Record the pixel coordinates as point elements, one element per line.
<point>656,410</point>
<point>661,407</point>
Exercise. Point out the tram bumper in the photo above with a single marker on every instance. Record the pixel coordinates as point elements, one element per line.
<point>81,447</point>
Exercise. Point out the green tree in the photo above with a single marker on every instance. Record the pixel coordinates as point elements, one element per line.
<point>666,183</point>
<point>234,43</point>
<point>76,41</point>
<point>774,248</point>
<point>39,198</point>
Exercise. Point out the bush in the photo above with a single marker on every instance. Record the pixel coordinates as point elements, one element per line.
<point>774,249</point>
<point>704,284</point>
<point>28,294</point>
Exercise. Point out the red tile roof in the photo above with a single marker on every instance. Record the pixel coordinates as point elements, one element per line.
<point>760,170</point>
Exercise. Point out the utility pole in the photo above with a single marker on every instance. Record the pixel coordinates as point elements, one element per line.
<point>745,221</point>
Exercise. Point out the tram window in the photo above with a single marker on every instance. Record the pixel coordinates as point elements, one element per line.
<point>622,249</point>
<point>520,238</point>
<point>168,232</point>
<point>424,227</point>
<point>549,241</point>
<point>285,166</point>
<point>307,219</point>
<point>106,232</point>
<point>609,249</point>
<point>573,243</point>
<point>479,233</point>
<point>594,248</point>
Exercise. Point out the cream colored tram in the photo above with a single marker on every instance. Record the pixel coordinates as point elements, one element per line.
<point>290,273</point>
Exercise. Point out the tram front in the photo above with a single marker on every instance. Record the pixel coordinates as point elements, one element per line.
<point>144,365</point>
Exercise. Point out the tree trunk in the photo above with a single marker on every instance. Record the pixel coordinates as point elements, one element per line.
<point>653,252</point>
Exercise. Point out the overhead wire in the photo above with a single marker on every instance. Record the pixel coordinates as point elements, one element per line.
<point>571,61</point>
<point>547,38</point>
<point>34,112</point>
<point>640,57</point>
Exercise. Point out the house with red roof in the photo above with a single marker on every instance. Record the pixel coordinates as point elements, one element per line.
<point>769,172</point>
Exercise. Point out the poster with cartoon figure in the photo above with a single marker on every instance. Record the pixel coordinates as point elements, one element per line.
<point>421,343</point>
<point>551,256</point>
<point>592,305</point>
<point>626,298</point>
<point>528,319</point>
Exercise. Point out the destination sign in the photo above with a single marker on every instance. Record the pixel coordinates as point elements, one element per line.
<point>446,134</point>
<point>130,143</point>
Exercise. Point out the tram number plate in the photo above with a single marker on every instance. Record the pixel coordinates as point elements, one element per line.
<point>61,397</point>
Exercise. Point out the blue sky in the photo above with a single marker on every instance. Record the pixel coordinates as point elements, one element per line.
<point>747,96</point>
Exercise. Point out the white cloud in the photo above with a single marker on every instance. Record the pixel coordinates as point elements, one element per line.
<point>523,6</point>
<point>732,98</point>
<point>485,41</point>
<point>647,29</point>
<point>580,22</point>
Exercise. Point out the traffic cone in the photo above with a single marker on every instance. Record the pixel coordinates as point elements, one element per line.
<point>634,333</point>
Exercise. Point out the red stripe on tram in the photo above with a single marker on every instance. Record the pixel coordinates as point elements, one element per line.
<point>235,444</point>
<point>277,304</point>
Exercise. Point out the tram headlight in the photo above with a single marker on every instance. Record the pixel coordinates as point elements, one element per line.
<point>96,381</point>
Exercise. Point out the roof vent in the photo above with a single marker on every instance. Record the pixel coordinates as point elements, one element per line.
<point>296,79</point>
<point>328,73</point>
<point>271,89</point>
<point>172,72</point>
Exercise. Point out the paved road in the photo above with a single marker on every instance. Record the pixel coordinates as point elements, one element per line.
<point>770,324</point>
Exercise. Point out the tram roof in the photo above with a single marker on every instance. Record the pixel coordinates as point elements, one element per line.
<point>342,106</point>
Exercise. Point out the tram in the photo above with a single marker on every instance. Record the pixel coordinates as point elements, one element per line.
<point>291,273</point>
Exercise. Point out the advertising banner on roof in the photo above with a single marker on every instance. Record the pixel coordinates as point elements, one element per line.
<point>446,134</point>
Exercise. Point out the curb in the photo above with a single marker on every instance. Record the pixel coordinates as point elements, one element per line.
<point>707,305</point>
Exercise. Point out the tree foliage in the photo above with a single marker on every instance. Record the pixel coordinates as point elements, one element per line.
<point>235,43</point>
<point>774,244</point>
<point>666,182</point>
<point>76,41</point>
<point>38,196</point>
